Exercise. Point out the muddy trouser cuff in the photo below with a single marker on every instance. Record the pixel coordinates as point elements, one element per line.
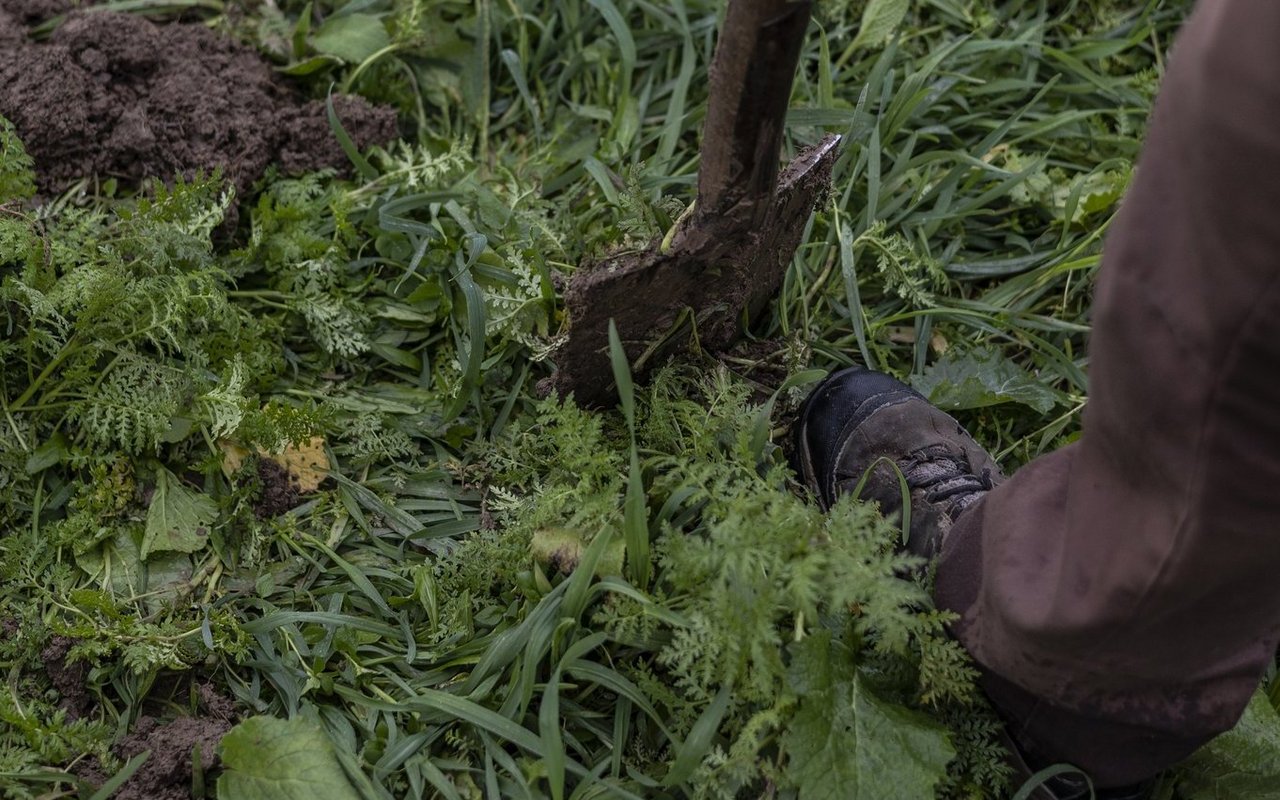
<point>1121,593</point>
<point>1046,720</point>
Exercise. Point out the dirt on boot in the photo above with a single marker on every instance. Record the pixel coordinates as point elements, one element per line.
<point>117,96</point>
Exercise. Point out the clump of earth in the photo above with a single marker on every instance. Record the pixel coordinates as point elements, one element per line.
<point>167,774</point>
<point>118,96</point>
<point>280,490</point>
<point>113,95</point>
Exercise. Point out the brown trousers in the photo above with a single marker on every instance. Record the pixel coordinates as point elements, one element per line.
<point>1123,594</point>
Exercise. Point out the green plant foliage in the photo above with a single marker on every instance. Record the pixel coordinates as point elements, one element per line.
<point>498,594</point>
<point>746,576</point>
<point>352,37</point>
<point>265,757</point>
<point>982,377</point>
<point>1241,764</point>
<point>16,179</point>
<point>879,18</point>
<point>844,741</point>
<point>178,518</point>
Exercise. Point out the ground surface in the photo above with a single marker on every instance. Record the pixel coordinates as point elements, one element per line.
<point>283,507</point>
<point>113,95</point>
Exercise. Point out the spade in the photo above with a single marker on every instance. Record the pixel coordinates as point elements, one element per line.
<point>699,287</point>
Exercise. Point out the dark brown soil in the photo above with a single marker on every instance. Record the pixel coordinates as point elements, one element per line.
<point>117,96</point>
<point>279,490</point>
<point>34,12</point>
<point>167,773</point>
<point>67,678</point>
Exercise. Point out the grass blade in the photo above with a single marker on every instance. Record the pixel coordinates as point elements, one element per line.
<point>549,729</point>
<point>362,165</point>
<point>689,754</point>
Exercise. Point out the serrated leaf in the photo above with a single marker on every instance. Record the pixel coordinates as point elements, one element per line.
<point>844,743</point>
<point>352,38</point>
<point>178,518</point>
<point>1241,764</point>
<point>879,19</point>
<point>265,758</point>
<point>982,377</point>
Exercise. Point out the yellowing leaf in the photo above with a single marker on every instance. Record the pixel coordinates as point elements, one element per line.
<point>561,549</point>
<point>307,463</point>
<point>233,456</point>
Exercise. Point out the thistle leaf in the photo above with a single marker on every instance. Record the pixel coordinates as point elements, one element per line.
<point>983,377</point>
<point>1241,764</point>
<point>844,740</point>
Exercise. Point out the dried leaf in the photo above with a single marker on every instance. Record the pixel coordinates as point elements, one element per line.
<point>308,462</point>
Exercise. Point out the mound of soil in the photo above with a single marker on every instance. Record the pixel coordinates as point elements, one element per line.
<point>166,775</point>
<point>115,95</point>
<point>31,12</point>
<point>167,772</point>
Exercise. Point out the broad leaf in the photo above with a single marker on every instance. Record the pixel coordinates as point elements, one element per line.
<point>52,452</point>
<point>879,19</point>
<point>844,743</point>
<point>983,377</point>
<point>352,38</point>
<point>265,758</point>
<point>1241,764</point>
<point>178,519</point>
<point>117,565</point>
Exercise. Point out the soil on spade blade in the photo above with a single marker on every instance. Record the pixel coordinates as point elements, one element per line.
<point>118,96</point>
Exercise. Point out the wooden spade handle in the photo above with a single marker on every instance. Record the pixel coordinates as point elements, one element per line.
<point>751,76</point>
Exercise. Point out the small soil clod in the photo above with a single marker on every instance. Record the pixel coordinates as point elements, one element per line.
<point>280,490</point>
<point>67,678</point>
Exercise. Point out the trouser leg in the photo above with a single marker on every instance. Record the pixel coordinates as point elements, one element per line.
<point>1123,594</point>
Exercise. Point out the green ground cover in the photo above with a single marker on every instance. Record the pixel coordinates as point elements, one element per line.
<point>493,593</point>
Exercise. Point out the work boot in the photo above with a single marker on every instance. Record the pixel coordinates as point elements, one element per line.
<point>861,427</point>
<point>865,432</point>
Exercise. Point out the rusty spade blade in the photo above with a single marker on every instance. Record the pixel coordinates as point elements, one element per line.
<point>728,259</point>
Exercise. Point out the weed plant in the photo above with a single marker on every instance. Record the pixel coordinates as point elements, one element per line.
<point>495,593</point>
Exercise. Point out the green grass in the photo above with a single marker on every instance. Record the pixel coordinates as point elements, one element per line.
<point>497,595</point>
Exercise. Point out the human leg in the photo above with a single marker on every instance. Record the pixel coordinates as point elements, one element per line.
<point>1121,593</point>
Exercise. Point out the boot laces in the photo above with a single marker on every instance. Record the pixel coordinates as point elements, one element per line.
<point>945,478</point>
